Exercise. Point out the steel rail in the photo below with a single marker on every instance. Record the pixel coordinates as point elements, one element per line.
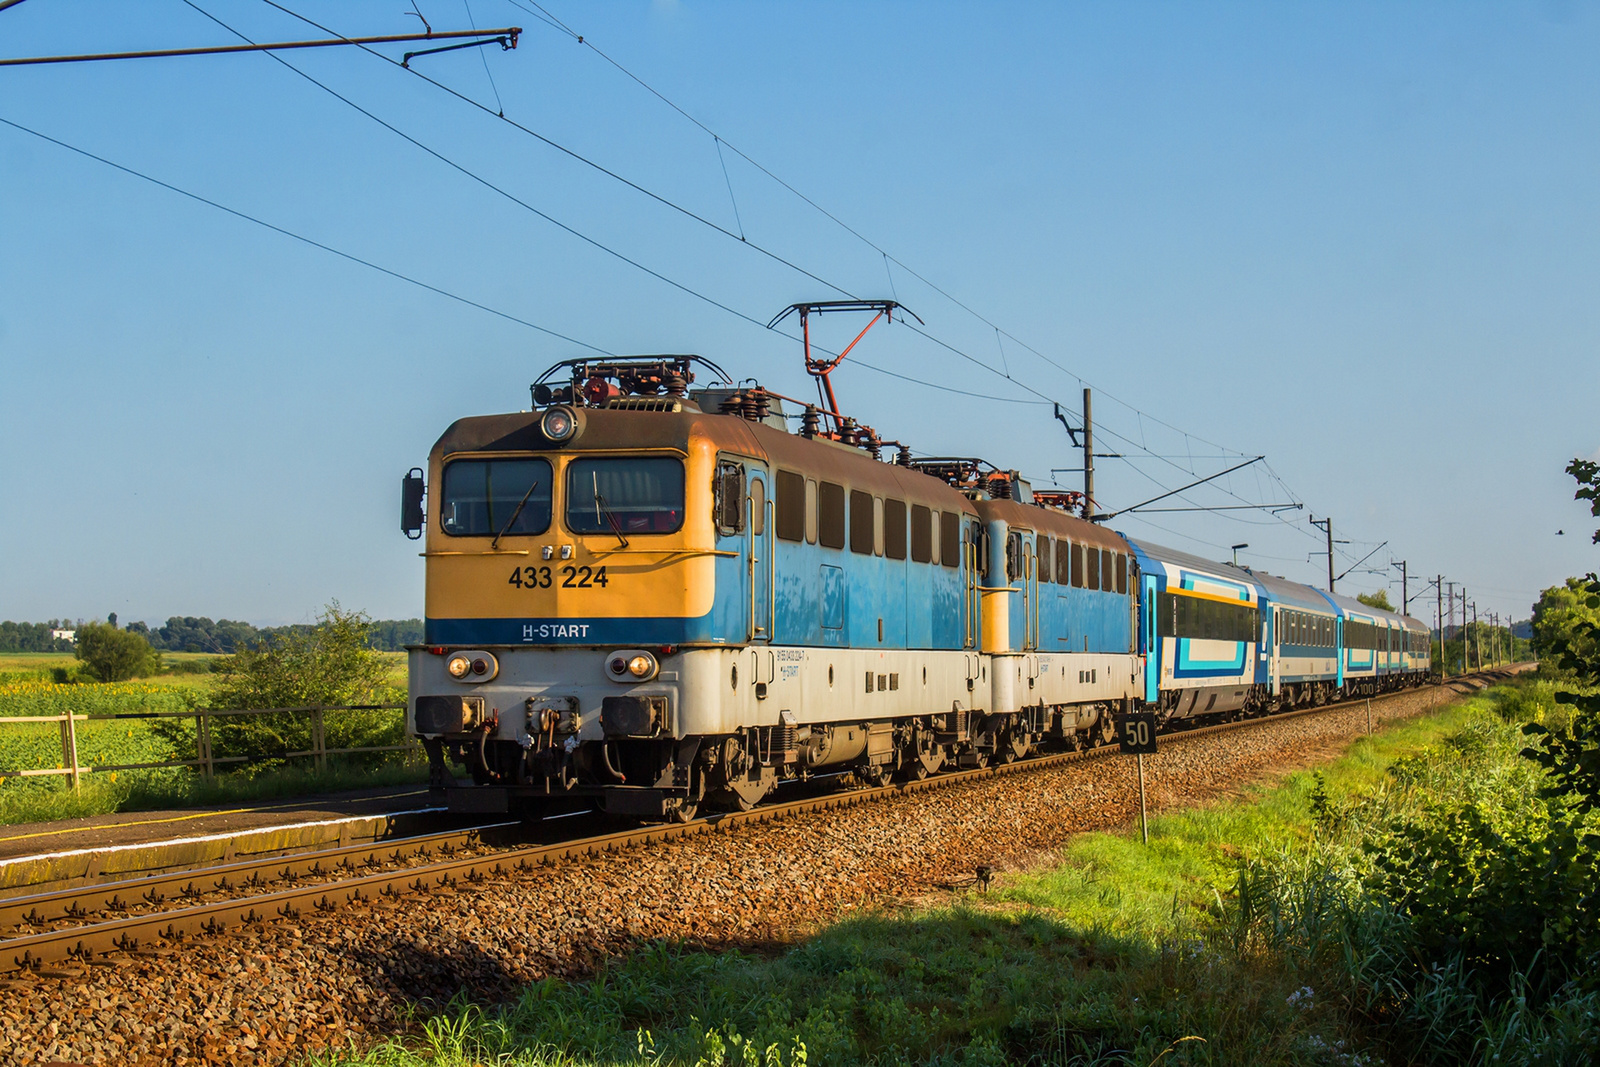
<point>132,934</point>
<point>76,902</point>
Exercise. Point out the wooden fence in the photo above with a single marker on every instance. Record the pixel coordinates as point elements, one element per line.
<point>205,759</point>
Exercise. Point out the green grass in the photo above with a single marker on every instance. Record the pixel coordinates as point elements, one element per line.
<point>1220,943</point>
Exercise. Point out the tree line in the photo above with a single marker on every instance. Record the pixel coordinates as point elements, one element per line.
<point>189,633</point>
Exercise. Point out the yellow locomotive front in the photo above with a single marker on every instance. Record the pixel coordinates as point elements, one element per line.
<point>572,617</point>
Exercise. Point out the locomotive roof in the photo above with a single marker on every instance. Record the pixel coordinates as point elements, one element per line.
<point>624,429</point>
<point>1050,521</point>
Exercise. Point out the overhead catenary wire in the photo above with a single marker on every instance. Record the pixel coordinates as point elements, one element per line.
<point>1003,371</point>
<point>313,242</point>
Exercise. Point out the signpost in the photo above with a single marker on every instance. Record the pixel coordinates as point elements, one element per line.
<point>1137,732</point>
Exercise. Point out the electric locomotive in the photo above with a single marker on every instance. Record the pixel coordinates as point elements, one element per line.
<point>648,597</point>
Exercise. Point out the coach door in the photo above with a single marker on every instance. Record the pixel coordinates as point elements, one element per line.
<point>1152,640</point>
<point>759,558</point>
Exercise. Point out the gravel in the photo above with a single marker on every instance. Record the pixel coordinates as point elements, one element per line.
<point>274,993</point>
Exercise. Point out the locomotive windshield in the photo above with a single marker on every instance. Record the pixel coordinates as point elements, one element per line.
<point>482,497</point>
<point>633,495</point>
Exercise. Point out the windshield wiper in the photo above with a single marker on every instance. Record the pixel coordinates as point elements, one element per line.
<point>520,504</point>
<point>601,509</point>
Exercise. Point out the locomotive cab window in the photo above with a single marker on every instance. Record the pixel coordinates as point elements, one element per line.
<point>483,497</point>
<point>729,492</point>
<point>630,495</point>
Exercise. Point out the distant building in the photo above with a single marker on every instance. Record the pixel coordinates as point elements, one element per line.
<point>64,635</point>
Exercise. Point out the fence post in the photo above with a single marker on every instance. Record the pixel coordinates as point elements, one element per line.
<point>202,741</point>
<point>69,745</point>
<point>319,741</point>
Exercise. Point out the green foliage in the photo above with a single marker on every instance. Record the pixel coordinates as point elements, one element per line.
<point>328,664</point>
<point>1587,474</point>
<point>1564,621</point>
<point>113,655</point>
<point>1379,600</point>
<point>33,637</point>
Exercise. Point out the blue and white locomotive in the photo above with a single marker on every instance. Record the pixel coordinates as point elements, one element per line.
<point>647,598</point>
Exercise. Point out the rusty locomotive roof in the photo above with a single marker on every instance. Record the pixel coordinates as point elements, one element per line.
<point>1053,522</point>
<point>627,429</point>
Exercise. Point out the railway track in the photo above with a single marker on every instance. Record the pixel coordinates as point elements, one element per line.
<point>377,876</point>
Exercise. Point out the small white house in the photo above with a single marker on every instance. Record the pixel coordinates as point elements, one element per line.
<point>64,635</point>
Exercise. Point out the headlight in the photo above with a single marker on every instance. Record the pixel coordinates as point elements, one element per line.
<point>472,666</point>
<point>559,424</point>
<point>631,665</point>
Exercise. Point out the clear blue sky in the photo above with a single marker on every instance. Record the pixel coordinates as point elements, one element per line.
<point>1360,239</point>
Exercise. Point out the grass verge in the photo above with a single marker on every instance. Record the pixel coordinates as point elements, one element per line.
<point>1242,934</point>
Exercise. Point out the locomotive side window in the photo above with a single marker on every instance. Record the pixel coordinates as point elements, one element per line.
<point>894,529</point>
<point>830,515</point>
<point>1046,559</point>
<point>790,524</point>
<point>1122,573</point>
<point>1107,567</point>
<point>482,497</point>
<point>950,538</point>
<point>1094,568</point>
<point>1063,562</point>
<point>629,495</point>
<point>1077,565</point>
<point>758,507</point>
<point>861,522</point>
<point>921,534</point>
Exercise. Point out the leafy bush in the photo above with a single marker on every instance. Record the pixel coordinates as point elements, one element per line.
<point>328,664</point>
<point>113,655</point>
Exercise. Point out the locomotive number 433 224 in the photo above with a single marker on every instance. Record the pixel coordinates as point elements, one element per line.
<point>570,577</point>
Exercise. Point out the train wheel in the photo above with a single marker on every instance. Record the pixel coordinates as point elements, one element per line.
<point>682,811</point>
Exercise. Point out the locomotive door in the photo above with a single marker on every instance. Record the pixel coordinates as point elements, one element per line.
<point>1030,595</point>
<point>759,559</point>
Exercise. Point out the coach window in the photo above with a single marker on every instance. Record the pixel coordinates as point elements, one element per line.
<point>861,522</point>
<point>811,511</point>
<point>791,505</point>
<point>921,533</point>
<point>636,494</point>
<point>1046,559</point>
<point>830,515</point>
<point>894,529</point>
<point>484,497</point>
<point>950,538</point>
